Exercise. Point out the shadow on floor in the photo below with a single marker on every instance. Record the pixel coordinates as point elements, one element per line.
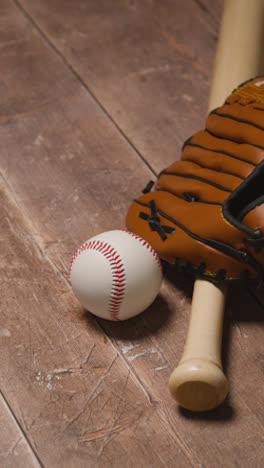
<point>224,412</point>
<point>242,306</point>
<point>154,318</point>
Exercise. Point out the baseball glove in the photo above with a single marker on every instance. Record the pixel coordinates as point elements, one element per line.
<point>205,213</point>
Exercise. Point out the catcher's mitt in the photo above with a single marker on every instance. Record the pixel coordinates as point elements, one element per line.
<point>206,214</point>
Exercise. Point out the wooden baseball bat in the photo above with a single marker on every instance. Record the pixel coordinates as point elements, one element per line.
<point>198,383</point>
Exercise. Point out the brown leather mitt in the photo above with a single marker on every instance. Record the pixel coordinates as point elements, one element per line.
<point>206,212</point>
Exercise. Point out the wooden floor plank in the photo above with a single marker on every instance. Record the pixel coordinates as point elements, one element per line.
<point>14,447</point>
<point>209,437</point>
<point>70,389</point>
<point>68,173</point>
<point>59,402</point>
<point>144,61</point>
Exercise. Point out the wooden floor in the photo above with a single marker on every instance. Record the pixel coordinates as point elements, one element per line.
<point>97,96</point>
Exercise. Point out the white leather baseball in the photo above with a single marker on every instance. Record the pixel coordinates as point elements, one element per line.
<point>115,275</point>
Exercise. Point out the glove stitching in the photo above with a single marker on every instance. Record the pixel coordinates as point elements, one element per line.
<point>239,255</point>
<point>218,171</point>
<point>258,244</point>
<point>201,270</point>
<point>244,103</point>
<point>154,221</point>
<point>148,187</point>
<point>258,108</point>
<point>218,137</point>
<point>226,153</point>
<point>190,198</point>
<point>237,119</point>
<point>251,206</point>
<point>240,242</point>
<point>200,179</point>
<point>246,82</point>
<point>206,202</point>
<point>188,158</point>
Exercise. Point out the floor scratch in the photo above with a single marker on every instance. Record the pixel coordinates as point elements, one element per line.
<point>88,401</point>
<point>13,447</point>
<point>89,354</point>
<point>116,417</point>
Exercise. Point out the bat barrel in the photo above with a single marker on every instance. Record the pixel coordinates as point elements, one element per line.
<point>198,383</point>
<point>240,54</point>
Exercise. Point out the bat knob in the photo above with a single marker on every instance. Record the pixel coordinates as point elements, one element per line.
<point>198,385</point>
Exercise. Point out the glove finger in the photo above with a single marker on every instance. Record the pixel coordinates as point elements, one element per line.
<point>221,155</point>
<point>238,122</point>
<point>205,184</point>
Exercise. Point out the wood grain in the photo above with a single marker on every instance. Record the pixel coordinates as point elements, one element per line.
<point>71,390</point>
<point>78,140</point>
<point>142,60</point>
<point>14,447</point>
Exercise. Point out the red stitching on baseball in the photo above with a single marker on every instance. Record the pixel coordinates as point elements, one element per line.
<point>145,244</point>
<point>118,273</point>
<point>117,267</point>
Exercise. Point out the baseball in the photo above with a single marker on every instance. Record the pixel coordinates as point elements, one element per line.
<point>115,275</point>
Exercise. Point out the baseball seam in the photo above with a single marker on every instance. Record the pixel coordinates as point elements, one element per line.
<point>117,267</point>
<point>118,273</point>
<point>145,244</point>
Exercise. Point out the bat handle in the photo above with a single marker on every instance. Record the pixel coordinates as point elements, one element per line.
<point>198,383</point>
